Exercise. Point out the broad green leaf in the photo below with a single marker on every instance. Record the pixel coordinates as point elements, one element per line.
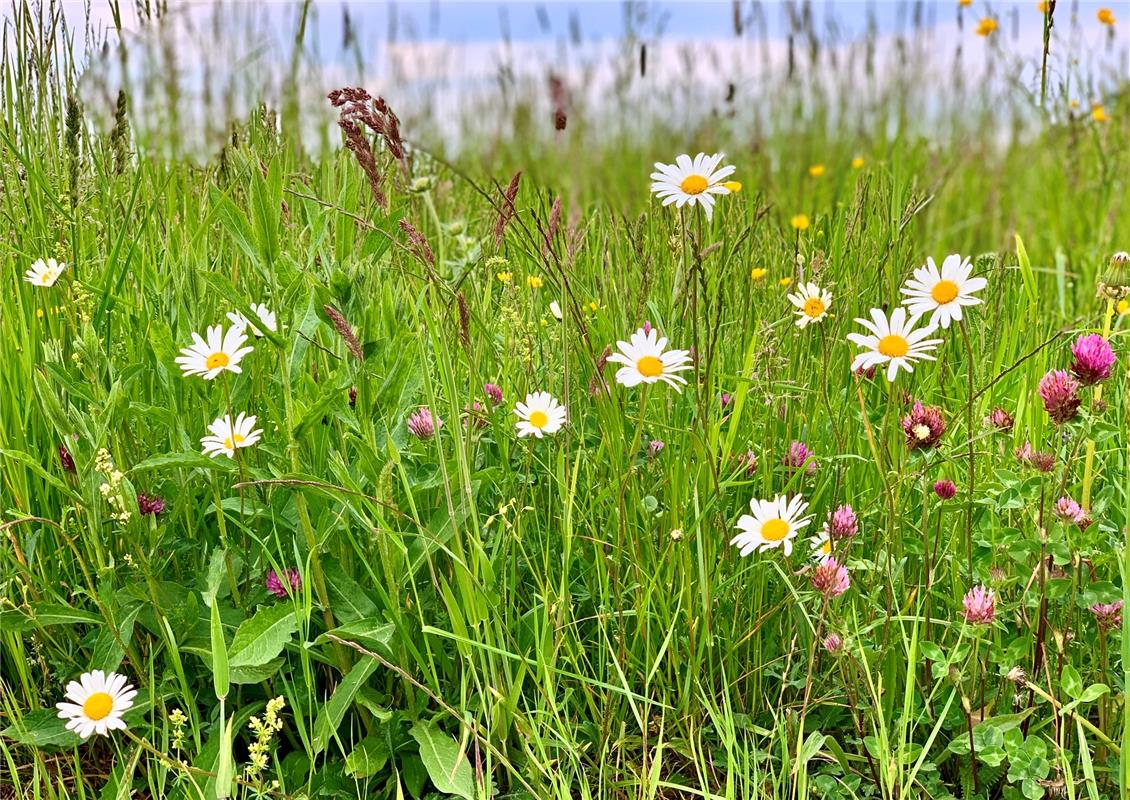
<point>370,633</point>
<point>368,758</point>
<point>41,728</point>
<point>333,712</point>
<point>347,598</point>
<point>263,636</point>
<point>445,761</point>
<point>45,615</point>
<point>220,676</point>
<point>1071,682</point>
<point>186,460</point>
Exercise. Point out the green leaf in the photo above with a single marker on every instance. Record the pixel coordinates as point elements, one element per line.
<point>370,633</point>
<point>347,598</point>
<point>255,674</point>
<point>368,758</point>
<point>45,615</point>
<point>1072,684</point>
<point>445,761</point>
<point>220,677</point>
<point>108,652</point>
<point>333,712</point>
<point>185,460</point>
<point>41,728</point>
<point>263,636</point>
<point>33,464</point>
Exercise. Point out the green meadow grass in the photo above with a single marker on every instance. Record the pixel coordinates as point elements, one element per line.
<point>482,615</point>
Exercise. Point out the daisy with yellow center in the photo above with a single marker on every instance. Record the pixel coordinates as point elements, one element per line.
<point>97,702</point>
<point>692,182</point>
<point>942,293</point>
<point>773,523</point>
<point>220,351</point>
<point>227,436</point>
<point>821,546</point>
<point>44,272</point>
<point>812,304</point>
<point>540,415</point>
<point>894,342</point>
<point>264,316</point>
<point>645,361</point>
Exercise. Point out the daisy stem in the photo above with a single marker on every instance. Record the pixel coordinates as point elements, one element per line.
<point>1089,461</point>
<point>972,479</point>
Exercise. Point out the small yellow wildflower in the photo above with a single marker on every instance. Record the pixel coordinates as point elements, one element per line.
<point>504,276</point>
<point>785,281</point>
<point>986,26</point>
<point>816,170</point>
<point>1098,113</point>
<point>757,273</point>
<point>800,222</point>
<point>595,306</point>
<point>1106,16</point>
<point>857,162</point>
<point>965,2</point>
<point>1075,104</point>
<point>1043,7</point>
<point>534,281</point>
<point>1123,306</point>
<point>733,186</point>
<point>39,313</point>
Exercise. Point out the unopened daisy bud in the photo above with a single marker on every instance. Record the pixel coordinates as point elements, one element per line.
<point>493,392</point>
<point>1108,615</point>
<point>923,426</point>
<point>275,585</point>
<point>945,489</point>
<point>842,523</point>
<point>1060,393</point>
<point>1093,359</point>
<point>423,424</point>
<point>1000,419</point>
<point>66,460</point>
<point>830,578</point>
<point>798,456</point>
<point>979,606</point>
<point>1068,510</point>
<point>833,643</point>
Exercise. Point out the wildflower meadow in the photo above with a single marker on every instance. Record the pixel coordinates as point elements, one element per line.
<point>675,417</point>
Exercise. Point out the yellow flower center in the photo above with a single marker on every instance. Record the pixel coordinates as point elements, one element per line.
<point>539,419</point>
<point>894,346</point>
<point>217,360</point>
<point>944,292</point>
<point>650,367</point>
<point>814,307</point>
<point>693,184</point>
<point>826,548</point>
<point>46,279</point>
<point>775,530</point>
<point>98,706</point>
<point>233,440</point>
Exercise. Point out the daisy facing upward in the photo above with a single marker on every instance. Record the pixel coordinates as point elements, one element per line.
<point>97,702</point>
<point>540,415</point>
<point>812,304</point>
<point>942,293</point>
<point>691,182</point>
<point>220,351</point>
<point>645,361</point>
<point>894,342</point>
<point>773,523</point>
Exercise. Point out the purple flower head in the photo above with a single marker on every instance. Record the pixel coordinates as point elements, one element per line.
<point>423,423</point>
<point>833,643</point>
<point>1093,359</point>
<point>353,397</point>
<point>1000,419</point>
<point>1060,393</point>
<point>473,416</point>
<point>798,456</point>
<point>275,584</point>
<point>842,523</point>
<point>646,327</point>
<point>830,578</point>
<point>1068,510</point>
<point>923,426</point>
<point>748,462</point>
<point>945,490</point>
<point>66,460</point>
<point>725,400</point>
<point>655,447</point>
<point>493,392</point>
<point>150,504</point>
<point>979,605</point>
<point>1108,615</point>
<point>867,373</point>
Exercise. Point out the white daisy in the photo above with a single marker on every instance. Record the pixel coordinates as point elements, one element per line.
<point>97,703</point>
<point>821,545</point>
<point>539,415</point>
<point>265,315</point>
<point>691,182</point>
<point>774,523</point>
<point>894,342</point>
<point>221,351</point>
<point>44,273</point>
<point>812,303</point>
<point>227,436</point>
<point>645,362</point>
<point>944,291</point>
